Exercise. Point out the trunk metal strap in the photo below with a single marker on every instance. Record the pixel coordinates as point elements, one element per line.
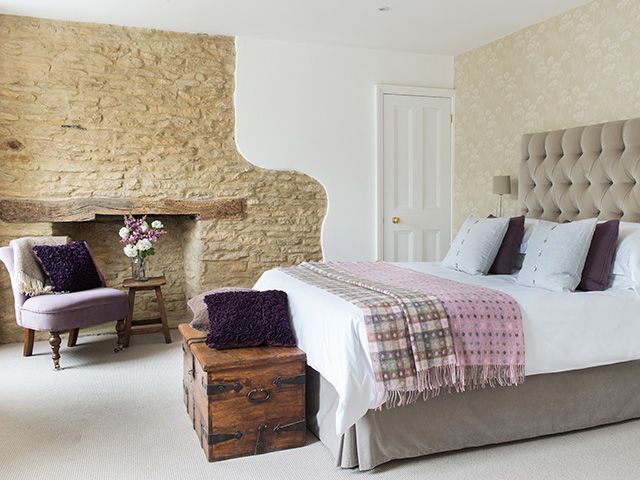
<point>297,380</point>
<point>260,440</point>
<point>213,438</point>
<point>221,387</point>
<point>299,426</point>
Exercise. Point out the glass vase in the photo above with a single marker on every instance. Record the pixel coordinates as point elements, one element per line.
<point>139,269</point>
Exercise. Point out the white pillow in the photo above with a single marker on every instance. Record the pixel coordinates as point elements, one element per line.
<point>627,229</point>
<point>529,223</point>
<point>622,282</point>
<point>476,245</point>
<point>556,255</point>
<point>626,264</point>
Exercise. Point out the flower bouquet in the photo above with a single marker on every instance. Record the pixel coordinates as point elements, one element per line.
<point>139,239</point>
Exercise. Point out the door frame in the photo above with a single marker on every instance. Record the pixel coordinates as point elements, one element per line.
<point>406,90</point>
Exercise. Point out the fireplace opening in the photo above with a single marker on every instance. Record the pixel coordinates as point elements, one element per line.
<point>174,253</point>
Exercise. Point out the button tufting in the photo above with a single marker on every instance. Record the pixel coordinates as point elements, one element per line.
<point>563,157</point>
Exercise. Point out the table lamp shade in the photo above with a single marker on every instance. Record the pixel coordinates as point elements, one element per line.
<point>502,185</point>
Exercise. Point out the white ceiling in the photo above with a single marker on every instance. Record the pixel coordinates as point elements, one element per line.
<point>444,27</point>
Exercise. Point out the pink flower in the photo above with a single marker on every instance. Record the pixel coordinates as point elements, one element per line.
<point>139,231</point>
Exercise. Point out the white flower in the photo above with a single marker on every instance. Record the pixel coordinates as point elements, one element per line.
<point>124,232</point>
<point>157,224</point>
<point>131,251</point>
<point>144,227</point>
<point>143,245</point>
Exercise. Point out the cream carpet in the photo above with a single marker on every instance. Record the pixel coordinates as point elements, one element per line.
<point>121,416</point>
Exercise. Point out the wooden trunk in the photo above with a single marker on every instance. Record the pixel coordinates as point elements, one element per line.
<point>189,336</point>
<point>243,401</point>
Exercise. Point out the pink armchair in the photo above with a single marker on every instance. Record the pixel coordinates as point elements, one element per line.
<point>64,312</point>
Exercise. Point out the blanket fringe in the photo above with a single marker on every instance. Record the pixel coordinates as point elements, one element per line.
<point>31,286</point>
<point>456,378</point>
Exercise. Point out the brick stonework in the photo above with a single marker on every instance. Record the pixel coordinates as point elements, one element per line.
<point>157,121</point>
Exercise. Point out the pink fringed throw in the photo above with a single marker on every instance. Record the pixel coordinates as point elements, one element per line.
<point>427,333</point>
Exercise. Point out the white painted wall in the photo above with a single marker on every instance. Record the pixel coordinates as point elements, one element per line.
<point>311,108</point>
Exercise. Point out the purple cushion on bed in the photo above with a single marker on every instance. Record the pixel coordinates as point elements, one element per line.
<point>507,256</point>
<point>199,308</point>
<point>599,262</point>
<point>249,319</point>
<point>69,267</point>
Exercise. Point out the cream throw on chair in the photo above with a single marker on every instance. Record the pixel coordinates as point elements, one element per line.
<point>29,276</point>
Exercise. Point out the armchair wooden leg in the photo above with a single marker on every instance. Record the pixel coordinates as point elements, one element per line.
<point>54,342</point>
<point>120,328</point>
<point>27,349</point>
<point>73,337</point>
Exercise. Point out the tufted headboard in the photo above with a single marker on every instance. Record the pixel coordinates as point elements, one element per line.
<point>582,172</point>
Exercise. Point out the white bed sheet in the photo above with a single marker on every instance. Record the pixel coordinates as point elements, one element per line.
<point>562,331</point>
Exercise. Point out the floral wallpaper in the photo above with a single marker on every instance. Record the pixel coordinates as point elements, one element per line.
<point>579,68</point>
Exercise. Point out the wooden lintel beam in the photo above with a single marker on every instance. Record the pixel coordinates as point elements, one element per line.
<point>15,210</point>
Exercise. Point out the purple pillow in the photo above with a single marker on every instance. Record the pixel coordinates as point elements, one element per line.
<point>69,267</point>
<point>507,256</point>
<point>199,308</point>
<point>249,319</point>
<point>599,262</point>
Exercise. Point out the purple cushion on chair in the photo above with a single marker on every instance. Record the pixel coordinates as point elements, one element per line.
<point>249,319</point>
<point>599,262</point>
<point>69,267</point>
<point>505,261</point>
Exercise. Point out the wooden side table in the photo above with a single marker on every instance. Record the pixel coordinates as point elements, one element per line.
<point>125,332</point>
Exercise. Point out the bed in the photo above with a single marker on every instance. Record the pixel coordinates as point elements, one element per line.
<point>582,349</point>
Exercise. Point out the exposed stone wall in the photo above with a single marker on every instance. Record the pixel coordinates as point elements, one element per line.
<point>157,120</point>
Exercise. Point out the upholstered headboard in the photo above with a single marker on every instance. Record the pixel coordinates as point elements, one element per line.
<point>582,172</point>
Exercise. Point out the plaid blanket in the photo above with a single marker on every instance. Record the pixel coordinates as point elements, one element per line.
<point>425,333</point>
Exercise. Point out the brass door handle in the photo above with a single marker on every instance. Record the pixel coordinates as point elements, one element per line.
<point>395,219</point>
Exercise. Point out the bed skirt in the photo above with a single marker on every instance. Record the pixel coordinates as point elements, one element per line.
<point>542,405</point>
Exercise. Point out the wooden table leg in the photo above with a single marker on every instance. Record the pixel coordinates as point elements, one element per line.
<point>163,315</point>
<point>73,337</point>
<point>127,323</point>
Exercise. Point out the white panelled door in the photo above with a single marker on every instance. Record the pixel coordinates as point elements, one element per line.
<point>416,177</point>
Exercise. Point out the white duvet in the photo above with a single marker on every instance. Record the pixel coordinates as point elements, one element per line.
<point>562,331</point>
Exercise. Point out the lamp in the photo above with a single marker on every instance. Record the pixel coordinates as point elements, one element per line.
<point>501,186</point>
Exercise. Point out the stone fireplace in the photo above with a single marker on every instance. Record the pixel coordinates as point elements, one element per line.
<point>97,121</point>
<point>172,255</point>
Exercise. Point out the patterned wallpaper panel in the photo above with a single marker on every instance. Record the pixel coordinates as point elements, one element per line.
<point>579,68</point>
